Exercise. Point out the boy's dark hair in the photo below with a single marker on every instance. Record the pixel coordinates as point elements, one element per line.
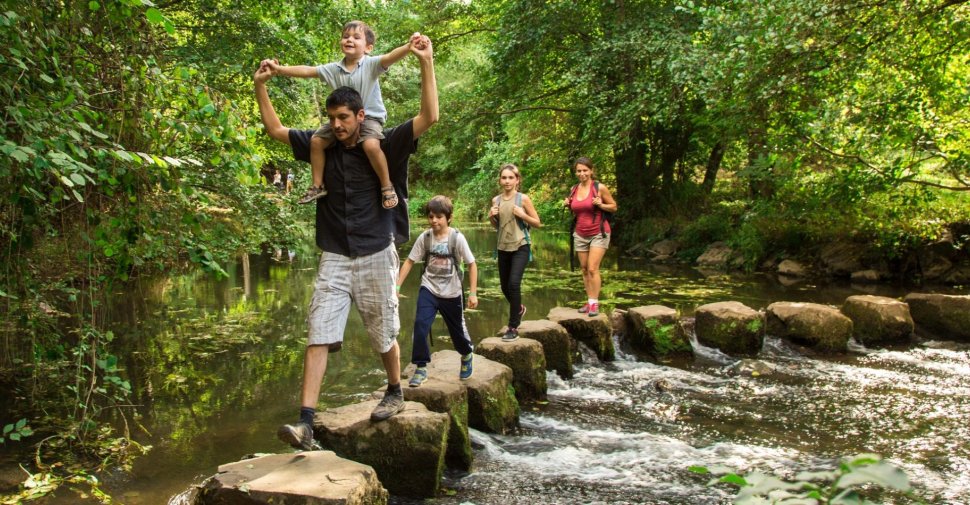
<point>369,35</point>
<point>345,96</point>
<point>440,204</point>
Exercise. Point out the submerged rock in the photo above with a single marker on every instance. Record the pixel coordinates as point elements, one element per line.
<point>311,478</point>
<point>817,326</point>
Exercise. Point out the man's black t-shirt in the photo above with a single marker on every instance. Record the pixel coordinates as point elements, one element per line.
<point>351,220</point>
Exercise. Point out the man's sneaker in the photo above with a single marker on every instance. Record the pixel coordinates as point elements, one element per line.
<point>312,194</point>
<point>594,310</point>
<point>420,375</point>
<point>466,367</point>
<point>390,405</point>
<point>299,436</point>
<point>510,335</point>
<point>585,308</point>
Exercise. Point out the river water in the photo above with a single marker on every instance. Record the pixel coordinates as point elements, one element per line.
<point>216,367</point>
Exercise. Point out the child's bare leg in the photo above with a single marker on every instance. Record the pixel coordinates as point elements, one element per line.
<point>372,147</point>
<point>318,159</point>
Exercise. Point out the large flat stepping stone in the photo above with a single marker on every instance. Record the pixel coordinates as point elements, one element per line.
<point>492,406</point>
<point>407,450</point>
<point>732,327</point>
<point>527,361</point>
<point>311,478</point>
<point>817,326</point>
<point>595,332</point>
<point>445,395</point>
<point>944,316</point>
<point>878,319</point>
<point>656,330</point>
<point>558,348</point>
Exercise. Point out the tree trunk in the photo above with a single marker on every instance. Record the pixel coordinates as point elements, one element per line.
<point>632,184</point>
<point>713,165</point>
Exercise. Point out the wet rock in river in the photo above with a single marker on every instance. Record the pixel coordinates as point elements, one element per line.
<point>656,330</point>
<point>303,478</point>
<point>525,357</point>
<point>732,327</point>
<point>820,327</point>
<point>445,394</point>
<point>944,316</point>
<point>492,406</point>
<point>407,450</point>
<point>878,319</point>
<point>559,350</point>
<point>595,332</point>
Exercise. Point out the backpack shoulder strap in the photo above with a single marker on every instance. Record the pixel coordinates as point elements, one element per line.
<point>426,235</point>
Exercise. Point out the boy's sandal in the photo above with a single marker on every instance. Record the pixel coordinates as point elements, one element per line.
<point>388,197</point>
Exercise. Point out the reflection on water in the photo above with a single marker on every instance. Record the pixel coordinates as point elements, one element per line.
<point>216,367</point>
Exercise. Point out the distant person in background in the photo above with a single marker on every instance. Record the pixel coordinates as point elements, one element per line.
<point>587,201</point>
<point>277,179</point>
<point>289,182</point>
<point>512,215</point>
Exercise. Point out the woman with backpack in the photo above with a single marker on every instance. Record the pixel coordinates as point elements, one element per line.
<point>512,214</point>
<point>592,205</point>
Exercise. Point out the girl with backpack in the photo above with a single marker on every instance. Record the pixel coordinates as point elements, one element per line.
<point>592,205</point>
<point>512,214</point>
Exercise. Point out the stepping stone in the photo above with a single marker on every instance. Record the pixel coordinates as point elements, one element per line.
<point>526,359</point>
<point>310,478</point>
<point>407,450</point>
<point>656,330</point>
<point>445,395</point>
<point>595,332</point>
<point>878,319</point>
<point>817,326</point>
<point>491,399</point>
<point>557,347</point>
<point>732,327</point>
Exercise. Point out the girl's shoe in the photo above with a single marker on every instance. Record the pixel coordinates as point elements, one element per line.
<point>594,310</point>
<point>312,194</point>
<point>388,197</point>
<point>584,309</point>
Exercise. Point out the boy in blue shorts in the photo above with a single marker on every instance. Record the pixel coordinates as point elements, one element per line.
<point>442,249</point>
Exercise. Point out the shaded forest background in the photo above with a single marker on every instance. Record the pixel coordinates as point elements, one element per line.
<point>130,143</point>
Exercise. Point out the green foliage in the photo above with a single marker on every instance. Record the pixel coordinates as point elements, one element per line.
<point>16,431</point>
<point>845,485</point>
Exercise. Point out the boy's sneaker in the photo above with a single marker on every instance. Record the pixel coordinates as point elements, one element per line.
<point>510,335</point>
<point>299,436</point>
<point>466,367</point>
<point>312,194</point>
<point>584,309</point>
<point>420,375</point>
<point>594,310</point>
<point>390,405</point>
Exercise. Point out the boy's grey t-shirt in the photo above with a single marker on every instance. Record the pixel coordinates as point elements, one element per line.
<point>439,275</point>
<point>364,79</point>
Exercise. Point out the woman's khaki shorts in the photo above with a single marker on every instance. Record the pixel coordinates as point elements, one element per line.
<point>582,244</point>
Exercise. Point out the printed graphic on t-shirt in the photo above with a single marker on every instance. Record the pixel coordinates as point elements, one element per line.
<point>439,262</point>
